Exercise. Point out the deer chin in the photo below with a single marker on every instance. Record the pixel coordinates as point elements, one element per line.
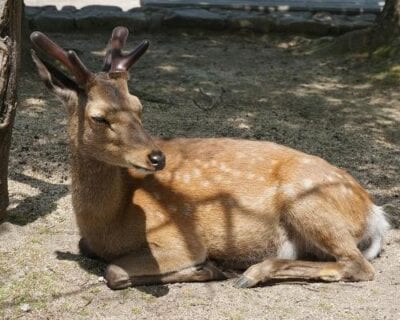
<point>141,169</point>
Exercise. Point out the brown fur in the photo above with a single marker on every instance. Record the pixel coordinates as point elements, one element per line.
<point>233,201</point>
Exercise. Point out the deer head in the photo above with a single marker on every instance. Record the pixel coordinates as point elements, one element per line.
<point>105,119</point>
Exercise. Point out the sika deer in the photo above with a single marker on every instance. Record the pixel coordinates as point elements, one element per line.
<point>162,216</point>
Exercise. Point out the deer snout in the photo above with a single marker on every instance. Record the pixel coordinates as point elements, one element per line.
<point>157,159</point>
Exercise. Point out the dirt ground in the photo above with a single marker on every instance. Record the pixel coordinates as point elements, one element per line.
<point>345,109</point>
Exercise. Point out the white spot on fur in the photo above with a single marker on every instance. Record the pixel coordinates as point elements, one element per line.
<point>261,179</point>
<point>186,178</point>
<point>207,207</point>
<point>250,176</point>
<point>258,202</point>
<point>288,190</point>
<point>222,167</point>
<point>306,160</point>
<point>159,216</point>
<point>196,173</point>
<point>205,183</point>
<point>344,189</point>
<point>287,250</point>
<point>206,165</point>
<point>330,178</point>
<point>372,241</point>
<point>236,173</point>
<point>218,178</point>
<point>308,184</point>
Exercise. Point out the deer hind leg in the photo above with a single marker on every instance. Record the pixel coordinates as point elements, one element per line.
<point>328,233</point>
<point>132,270</point>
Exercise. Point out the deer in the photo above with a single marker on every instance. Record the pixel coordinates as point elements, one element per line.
<point>161,211</point>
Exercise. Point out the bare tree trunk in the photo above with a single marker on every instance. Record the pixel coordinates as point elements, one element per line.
<point>388,20</point>
<point>10,35</point>
<point>385,32</point>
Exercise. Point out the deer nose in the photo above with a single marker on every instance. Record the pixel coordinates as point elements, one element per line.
<point>157,159</point>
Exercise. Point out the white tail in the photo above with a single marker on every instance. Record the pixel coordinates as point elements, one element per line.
<point>372,241</point>
<point>160,210</point>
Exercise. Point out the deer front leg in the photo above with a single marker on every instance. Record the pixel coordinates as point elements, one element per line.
<point>132,270</point>
<point>85,250</point>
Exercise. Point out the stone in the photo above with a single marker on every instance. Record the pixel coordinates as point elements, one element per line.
<point>52,20</point>
<point>198,18</point>
<point>25,307</point>
<point>103,20</point>
<point>31,12</point>
<point>250,20</point>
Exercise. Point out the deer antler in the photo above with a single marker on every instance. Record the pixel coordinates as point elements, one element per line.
<point>69,59</point>
<point>115,60</point>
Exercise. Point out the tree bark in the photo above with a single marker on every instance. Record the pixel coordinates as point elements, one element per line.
<point>10,35</point>
<point>388,20</point>
<point>385,32</point>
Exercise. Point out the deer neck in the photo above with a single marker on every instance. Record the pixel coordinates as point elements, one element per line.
<point>97,188</point>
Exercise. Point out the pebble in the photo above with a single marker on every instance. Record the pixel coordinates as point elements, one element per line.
<point>25,307</point>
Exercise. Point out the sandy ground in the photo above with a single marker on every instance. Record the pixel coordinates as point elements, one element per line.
<point>345,109</point>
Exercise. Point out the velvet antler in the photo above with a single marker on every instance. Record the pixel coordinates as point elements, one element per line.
<point>69,59</point>
<point>115,60</point>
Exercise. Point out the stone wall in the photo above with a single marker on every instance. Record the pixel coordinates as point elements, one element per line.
<point>97,18</point>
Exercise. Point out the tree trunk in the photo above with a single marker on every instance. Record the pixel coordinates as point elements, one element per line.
<point>10,35</point>
<point>385,32</point>
<point>388,20</point>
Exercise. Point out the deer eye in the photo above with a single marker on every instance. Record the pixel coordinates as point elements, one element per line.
<point>100,119</point>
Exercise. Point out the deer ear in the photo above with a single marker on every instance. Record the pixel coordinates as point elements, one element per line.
<point>62,86</point>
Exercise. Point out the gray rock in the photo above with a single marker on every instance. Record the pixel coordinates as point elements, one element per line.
<point>69,9</point>
<point>90,20</point>
<point>250,20</point>
<point>95,9</point>
<point>197,18</point>
<point>98,18</point>
<point>25,307</point>
<point>31,12</point>
<point>50,20</point>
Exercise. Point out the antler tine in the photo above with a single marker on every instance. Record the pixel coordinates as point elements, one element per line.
<point>127,61</point>
<point>115,60</point>
<point>115,44</point>
<point>69,60</point>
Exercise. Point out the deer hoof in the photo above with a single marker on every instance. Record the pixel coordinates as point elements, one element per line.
<point>245,282</point>
<point>117,278</point>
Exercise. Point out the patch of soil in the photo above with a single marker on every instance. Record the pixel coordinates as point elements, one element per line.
<point>197,84</point>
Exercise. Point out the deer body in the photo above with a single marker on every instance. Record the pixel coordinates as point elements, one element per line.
<point>245,204</point>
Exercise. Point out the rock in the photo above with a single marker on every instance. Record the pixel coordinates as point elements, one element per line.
<point>102,19</point>
<point>94,9</point>
<point>54,20</point>
<point>31,12</point>
<point>25,307</point>
<point>99,18</point>
<point>250,20</point>
<point>197,18</point>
